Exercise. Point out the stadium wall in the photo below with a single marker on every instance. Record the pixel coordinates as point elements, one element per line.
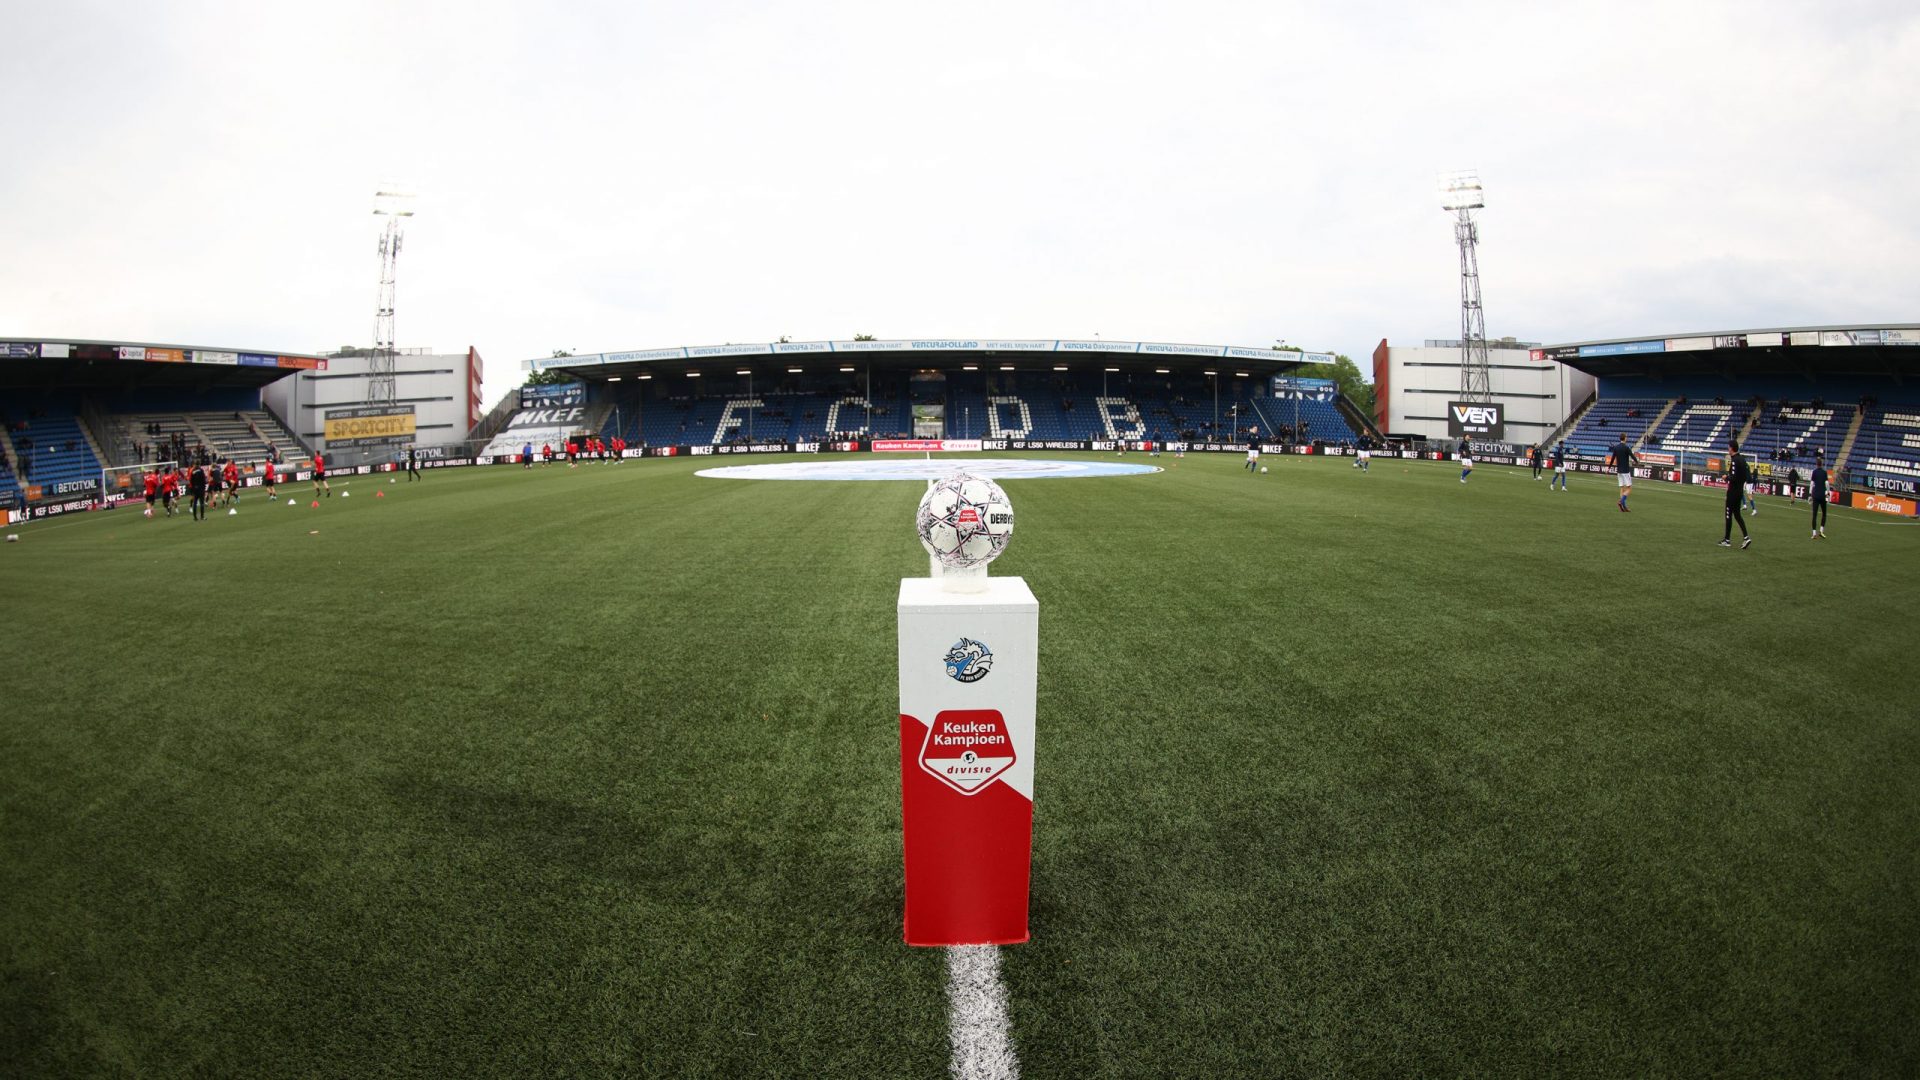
<point>438,386</point>
<point>1417,382</point>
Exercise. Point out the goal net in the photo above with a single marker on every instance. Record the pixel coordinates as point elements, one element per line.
<point>123,483</point>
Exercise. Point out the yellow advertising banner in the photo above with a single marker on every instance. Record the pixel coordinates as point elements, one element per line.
<point>373,426</point>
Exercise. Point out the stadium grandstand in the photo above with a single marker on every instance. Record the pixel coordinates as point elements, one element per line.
<point>77,416</point>
<point>1842,395</point>
<point>1041,391</point>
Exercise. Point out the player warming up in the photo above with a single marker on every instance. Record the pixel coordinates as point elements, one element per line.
<point>197,493</point>
<point>1818,499</point>
<point>1621,458</point>
<point>1737,477</point>
<point>320,477</point>
<point>1559,468</point>
<point>269,480</point>
<point>1466,460</point>
<point>1535,456</point>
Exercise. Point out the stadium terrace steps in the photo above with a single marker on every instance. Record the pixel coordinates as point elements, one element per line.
<point>167,425</point>
<point>1853,433</point>
<point>598,414</point>
<point>1260,414</point>
<point>1640,443</point>
<point>1605,422</point>
<point>1798,432</point>
<point>1356,419</point>
<point>9,489</point>
<point>1889,446</point>
<point>60,451</point>
<point>248,437</point>
<point>1033,405</point>
<point>780,417</point>
<point>269,427</point>
<point>1789,432</point>
<point>1567,426</point>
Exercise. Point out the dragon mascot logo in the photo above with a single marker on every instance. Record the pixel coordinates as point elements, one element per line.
<point>969,661</point>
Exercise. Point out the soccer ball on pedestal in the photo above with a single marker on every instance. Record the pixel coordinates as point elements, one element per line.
<point>964,521</point>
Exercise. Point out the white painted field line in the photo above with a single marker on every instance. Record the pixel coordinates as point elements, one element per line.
<point>981,1030</point>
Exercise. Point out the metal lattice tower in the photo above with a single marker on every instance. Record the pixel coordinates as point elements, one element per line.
<point>396,207</point>
<point>1461,194</point>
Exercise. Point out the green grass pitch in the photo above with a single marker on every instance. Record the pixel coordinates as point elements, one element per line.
<point>584,773</point>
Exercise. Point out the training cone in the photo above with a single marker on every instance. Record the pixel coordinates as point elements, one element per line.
<point>289,502</point>
<point>379,494</point>
<point>316,504</point>
<point>346,494</point>
<point>231,512</point>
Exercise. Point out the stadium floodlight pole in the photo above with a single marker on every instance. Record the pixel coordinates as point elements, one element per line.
<point>396,206</point>
<point>1461,195</point>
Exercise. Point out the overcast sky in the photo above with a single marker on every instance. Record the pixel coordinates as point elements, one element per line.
<point>596,177</point>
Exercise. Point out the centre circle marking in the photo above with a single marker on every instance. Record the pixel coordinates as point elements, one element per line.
<point>923,469</point>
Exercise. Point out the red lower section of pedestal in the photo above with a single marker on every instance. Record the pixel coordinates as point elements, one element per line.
<point>969,857</point>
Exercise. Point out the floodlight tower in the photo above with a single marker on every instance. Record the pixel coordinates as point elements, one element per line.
<point>396,206</point>
<point>1460,194</point>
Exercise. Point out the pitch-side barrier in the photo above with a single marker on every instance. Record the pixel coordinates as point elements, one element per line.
<point>1674,471</point>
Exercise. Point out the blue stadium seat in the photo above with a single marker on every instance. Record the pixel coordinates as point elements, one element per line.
<point>1888,445</point>
<point>52,449</point>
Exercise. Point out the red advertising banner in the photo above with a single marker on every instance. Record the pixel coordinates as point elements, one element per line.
<point>885,446</point>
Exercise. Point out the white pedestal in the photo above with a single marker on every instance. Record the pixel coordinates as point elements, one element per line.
<point>969,678</point>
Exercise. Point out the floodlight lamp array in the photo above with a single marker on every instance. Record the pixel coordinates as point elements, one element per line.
<point>1461,191</point>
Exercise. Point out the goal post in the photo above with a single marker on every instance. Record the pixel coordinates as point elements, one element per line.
<point>122,483</point>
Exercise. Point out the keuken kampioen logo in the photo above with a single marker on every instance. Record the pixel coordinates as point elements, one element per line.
<point>967,748</point>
